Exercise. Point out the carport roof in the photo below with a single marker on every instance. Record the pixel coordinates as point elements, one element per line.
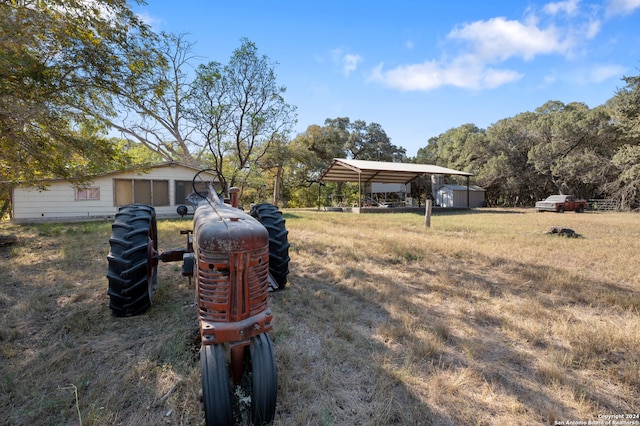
<point>343,170</point>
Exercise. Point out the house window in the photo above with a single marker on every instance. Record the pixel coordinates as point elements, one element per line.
<point>146,191</point>
<point>87,194</point>
<point>185,187</point>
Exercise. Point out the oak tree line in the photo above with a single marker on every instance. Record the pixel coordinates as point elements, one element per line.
<point>558,148</point>
<point>74,72</point>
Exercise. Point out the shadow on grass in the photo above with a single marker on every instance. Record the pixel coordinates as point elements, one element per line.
<point>65,360</point>
<point>450,347</point>
<point>331,370</point>
<point>453,346</point>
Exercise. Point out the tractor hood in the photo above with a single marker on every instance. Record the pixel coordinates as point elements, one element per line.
<point>222,228</point>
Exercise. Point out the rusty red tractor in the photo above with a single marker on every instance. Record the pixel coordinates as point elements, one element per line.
<point>236,259</point>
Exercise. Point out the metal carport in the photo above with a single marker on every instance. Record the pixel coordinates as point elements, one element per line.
<point>364,171</point>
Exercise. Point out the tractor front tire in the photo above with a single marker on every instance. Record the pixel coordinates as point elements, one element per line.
<point>271,218</point>
<point>216,386</point>
<point>133,267</point>
<point>264,381</point>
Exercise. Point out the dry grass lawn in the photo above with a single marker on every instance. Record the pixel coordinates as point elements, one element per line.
<point>482,319</point>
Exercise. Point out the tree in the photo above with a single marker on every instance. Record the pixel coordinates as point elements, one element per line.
<point>625,110</point>
<point>362,141</point>
<point>326,142</point>
<point>273,164</point>
<point>239,111</point>
<point>573,145</point>
<point>155,102</point>
<point>457,148</point>
<point>504,170</point>
<point>309,154</point>
<point>626,187</point>
<point>314,150</point>
<point>60,64</point>
<point>518,160</point>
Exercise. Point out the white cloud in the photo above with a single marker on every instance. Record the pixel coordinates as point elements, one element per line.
<point>600,73</point>
<point>493,78</point>
<point>425,76</point>
<point>348,62</point>
<point>621,7</point>
<point>592,29</point>
<point>484,48</point>
<point>499,39</point>
<point>485,43</point>
<point>569,7</point>
<point>152,21</point>
<point>585,76</point>
<point>464,72</point>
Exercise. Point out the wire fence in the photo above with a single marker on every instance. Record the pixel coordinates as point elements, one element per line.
<point>604,205</point>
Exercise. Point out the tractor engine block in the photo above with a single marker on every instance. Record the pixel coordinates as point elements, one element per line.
<point>231,274</point>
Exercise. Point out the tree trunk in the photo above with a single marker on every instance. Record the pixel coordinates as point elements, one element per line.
<point>277,186</point>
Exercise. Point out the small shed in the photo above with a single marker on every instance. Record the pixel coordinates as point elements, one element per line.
<point>163,186</point>
<point>456,196</point>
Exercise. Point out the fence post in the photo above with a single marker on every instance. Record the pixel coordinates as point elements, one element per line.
<point>427,216</point>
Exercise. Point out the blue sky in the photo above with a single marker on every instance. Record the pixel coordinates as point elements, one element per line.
<point>420,67</point>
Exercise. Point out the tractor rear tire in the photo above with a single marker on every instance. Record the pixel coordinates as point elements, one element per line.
<point>264,380</point>
<point>271,218</point>
<point>216,385</point>
<point>133,268</point>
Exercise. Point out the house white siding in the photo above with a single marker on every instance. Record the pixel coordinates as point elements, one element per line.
<point>59,201</point>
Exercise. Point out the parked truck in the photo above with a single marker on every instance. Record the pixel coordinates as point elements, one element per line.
<point>561,204</point>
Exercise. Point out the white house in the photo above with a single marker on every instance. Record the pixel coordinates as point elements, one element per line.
<point>163,186</point>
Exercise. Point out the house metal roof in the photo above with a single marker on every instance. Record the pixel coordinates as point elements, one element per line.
<point>141,170</point>
<point>344,170</point>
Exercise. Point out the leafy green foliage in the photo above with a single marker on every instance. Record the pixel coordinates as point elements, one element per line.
<point>626,187</point>
<point>360,141</point>
<point>313,150</point>
<point>61,62</point>
<point>556,149</point>
<point>72,70</point>
<point>154,100</point>
<point>625,109</point>
<point>239,111</point>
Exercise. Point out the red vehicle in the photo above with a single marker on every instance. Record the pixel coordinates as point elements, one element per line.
<point>561,203</point>
<point>234,258</point>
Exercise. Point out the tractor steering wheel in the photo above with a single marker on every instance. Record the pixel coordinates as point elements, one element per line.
<point>198,179</point>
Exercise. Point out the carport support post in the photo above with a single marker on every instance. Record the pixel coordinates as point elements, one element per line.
<point>359,190</point>
<point>427,215</point>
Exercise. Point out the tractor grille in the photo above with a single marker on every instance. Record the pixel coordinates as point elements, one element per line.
<point>232,286</point>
